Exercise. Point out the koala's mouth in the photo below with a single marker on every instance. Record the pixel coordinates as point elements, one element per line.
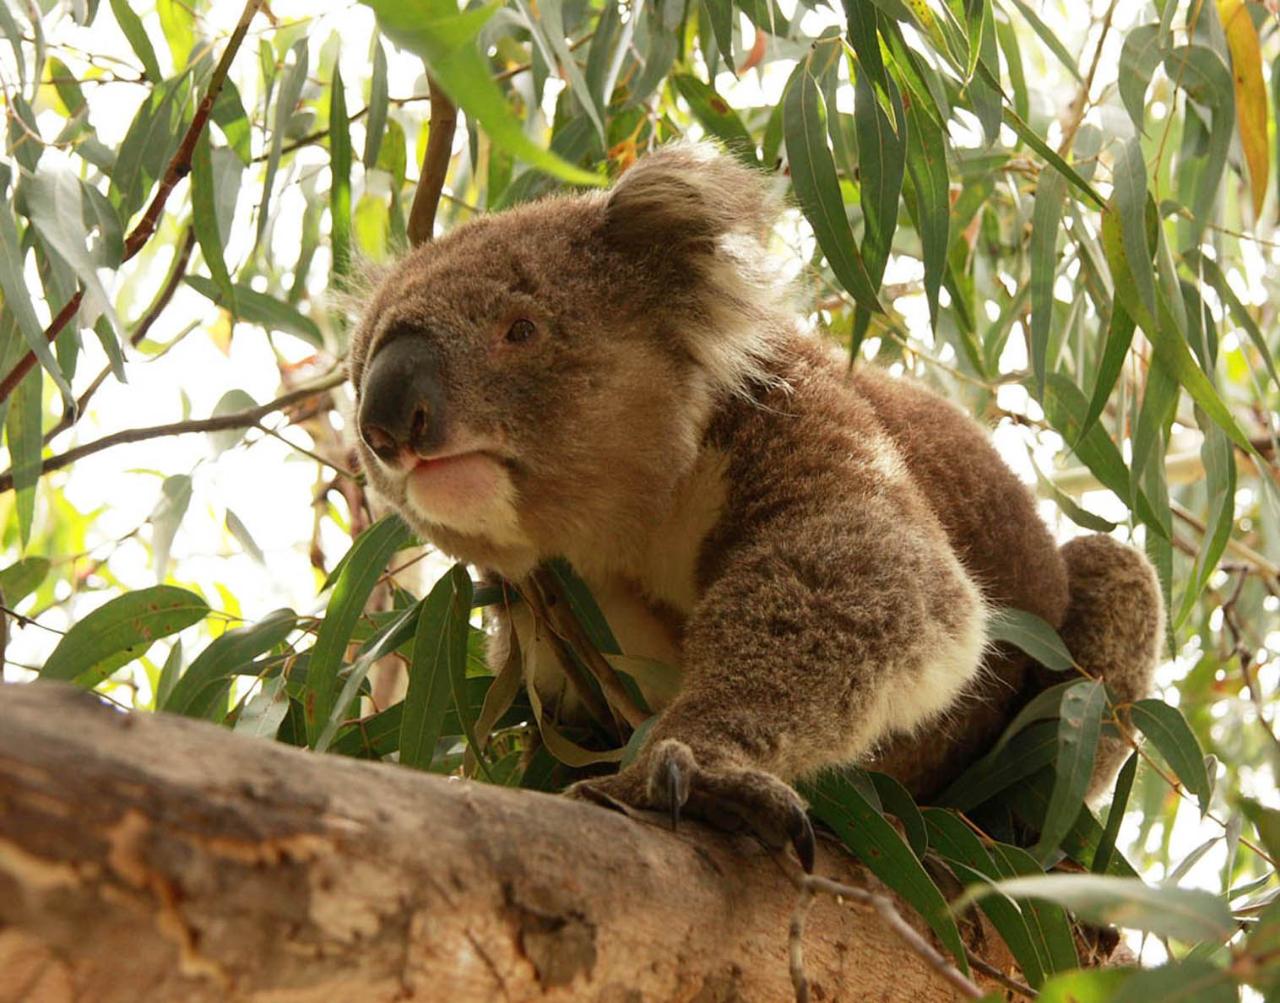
<point>470,491</point>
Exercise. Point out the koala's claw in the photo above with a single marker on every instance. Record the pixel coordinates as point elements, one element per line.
<point>670,779</point>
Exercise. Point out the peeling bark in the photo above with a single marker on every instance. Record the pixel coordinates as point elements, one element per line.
<point>157,858</point>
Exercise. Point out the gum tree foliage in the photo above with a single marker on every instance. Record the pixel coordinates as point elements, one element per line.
<point>1070,232</point>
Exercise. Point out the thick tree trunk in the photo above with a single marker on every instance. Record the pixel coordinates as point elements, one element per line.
<point>157,858</point>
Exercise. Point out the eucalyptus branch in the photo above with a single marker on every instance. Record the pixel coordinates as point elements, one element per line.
<point>249,418</point>
<point>435,165</point>
<point>179,167</point>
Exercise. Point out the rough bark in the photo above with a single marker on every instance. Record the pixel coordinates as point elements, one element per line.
<point>156,858</point>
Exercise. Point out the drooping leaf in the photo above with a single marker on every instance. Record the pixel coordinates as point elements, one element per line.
<point>175,497</point>
<point>1031,634</point>
<point>1079,727</point>
<point>1185,914</point>
<point>1169,732</point>
<point>1046,221</point>
<point>359,572</point>
<point>261,309</point>
<point>446,41</point>
<point>339,178</point>
<point>813,174</point>
<point>202,690</point>
<point>878,845</point>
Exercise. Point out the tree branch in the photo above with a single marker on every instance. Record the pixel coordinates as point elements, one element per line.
<point>435,165</point>
<point>240,419</point>
<point>158,857</point>
<point>179,167</point>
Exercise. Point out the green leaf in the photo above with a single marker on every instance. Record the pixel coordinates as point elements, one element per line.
<point>202,690</point>
<point>439,661</point>
<point>882,158</point>
<point>1045,705</point>
<point>1187,981</point>
<point>229,115</point>
<point>23,437</point>
<point>813,173</point>
<point>21,578</point>
<point>266,710</point>
<point>204,219</point>
<point>175,497</point>
<point>1030,634</point>
<point>1029,750</point>
<point>286,100</point>
<point>1141,53</point>
<point>1184,914</point>
<point>547,30</point>
<point>259,308</point>
<point>383,642</point>
<point>1049,37</point>
<point>361,568</point>
<point>17,298</point>
<point>376,122</point>
<point>1120,330</point>
<point>1046,221</point>
<point>1169,732</point>
<point>1213,272</point>
<point>232,402</point>
<point>169,674</point>
<point>1203,74</point>
<point>716,116</point>
<point>340,178</point>
<point>957,844</point>
<point>897,801</point>
<point>931,193</point>
<point>120,631</point>
<point>1079,727</point>
<point>1119,802</point>
<point>132,29</point>
<point>878,845</point>
<point>1096,985</point>
<point>56,200</point>
<point>446,41</point>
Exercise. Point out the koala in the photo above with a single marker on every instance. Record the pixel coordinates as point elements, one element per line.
<point>616,378</point>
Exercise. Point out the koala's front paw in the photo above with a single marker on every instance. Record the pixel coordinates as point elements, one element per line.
<point>733,798</point>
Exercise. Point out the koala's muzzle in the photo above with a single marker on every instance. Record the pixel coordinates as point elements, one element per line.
<point>402,401</point>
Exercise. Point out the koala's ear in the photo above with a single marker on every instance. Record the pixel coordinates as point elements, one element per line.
<point>684,196</point>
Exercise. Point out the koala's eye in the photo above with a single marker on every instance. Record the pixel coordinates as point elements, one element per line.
<point>521,331</point>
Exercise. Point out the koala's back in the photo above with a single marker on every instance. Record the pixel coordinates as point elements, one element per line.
<point>791,441</point>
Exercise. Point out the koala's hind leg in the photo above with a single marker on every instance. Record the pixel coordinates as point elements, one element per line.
<point>1114,628</point>
<point>812,644</point>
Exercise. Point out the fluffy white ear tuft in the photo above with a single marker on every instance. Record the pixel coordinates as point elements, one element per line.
<point>685,196</point>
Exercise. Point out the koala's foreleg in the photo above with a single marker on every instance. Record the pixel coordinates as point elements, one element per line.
<point>816,641</point>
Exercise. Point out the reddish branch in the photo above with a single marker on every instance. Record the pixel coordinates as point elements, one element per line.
<point>179,167</point>
<point>435,165</point>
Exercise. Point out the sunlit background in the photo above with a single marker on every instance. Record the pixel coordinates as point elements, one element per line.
<point>254,537</point>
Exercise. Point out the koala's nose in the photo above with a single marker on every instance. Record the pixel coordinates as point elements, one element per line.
<point>402,402</point>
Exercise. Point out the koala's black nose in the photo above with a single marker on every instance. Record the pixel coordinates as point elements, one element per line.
<point>402,402</point>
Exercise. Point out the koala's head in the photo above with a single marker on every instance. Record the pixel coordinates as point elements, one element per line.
<point>539,380</point>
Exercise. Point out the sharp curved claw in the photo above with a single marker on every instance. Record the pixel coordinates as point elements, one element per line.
<point>675,803</point>
<point>802,839</point>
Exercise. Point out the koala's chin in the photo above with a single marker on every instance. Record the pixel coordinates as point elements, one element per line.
<point>469,492</point>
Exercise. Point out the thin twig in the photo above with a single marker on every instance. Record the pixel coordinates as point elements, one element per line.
<point>889,914</point>
<point>179,167</point>
<point>240,419</point>
<point>795,943</point>
<point>435,165</point>
<point>1076,113</point>
<point>992,972</point>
